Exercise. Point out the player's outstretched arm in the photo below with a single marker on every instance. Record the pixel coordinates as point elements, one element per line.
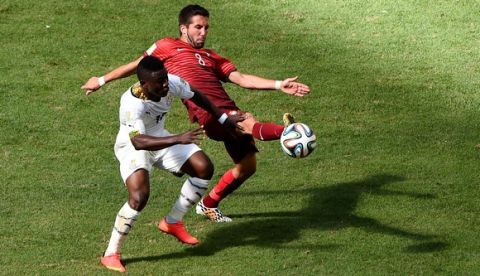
<point>94,83</point>
<point>147,142</point>
<point>289,85</point>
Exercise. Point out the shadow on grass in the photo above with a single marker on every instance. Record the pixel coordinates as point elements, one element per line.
<point>328,208</point>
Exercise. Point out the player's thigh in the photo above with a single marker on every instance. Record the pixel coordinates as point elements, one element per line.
<point>138,181</point>
<point>241,147</point>
<point>173,158</point>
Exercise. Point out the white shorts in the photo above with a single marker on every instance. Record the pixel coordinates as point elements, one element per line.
<point>170,159</point>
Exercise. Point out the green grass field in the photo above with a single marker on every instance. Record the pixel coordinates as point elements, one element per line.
<point>391,189</point>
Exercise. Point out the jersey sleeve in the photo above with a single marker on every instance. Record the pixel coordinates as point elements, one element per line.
<point>157,49</point>
<point>179,87</point>
<point>223,66</point>
<point>133,119</point>
<point>150,50</point>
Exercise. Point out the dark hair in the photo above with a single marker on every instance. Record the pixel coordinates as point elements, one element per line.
<point>186,14</point>
<point>148,67</point>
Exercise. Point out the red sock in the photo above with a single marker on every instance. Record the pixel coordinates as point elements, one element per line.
<point>267,131</point>
<point>225,186</point>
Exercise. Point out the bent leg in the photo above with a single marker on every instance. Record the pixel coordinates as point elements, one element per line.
<point>231,180</point>
<point>138,185</point>
<point>242,150</point>
<point>138,191</point>
<point>200,169</point>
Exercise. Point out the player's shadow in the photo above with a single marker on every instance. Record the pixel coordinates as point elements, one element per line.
<point>328,209</point>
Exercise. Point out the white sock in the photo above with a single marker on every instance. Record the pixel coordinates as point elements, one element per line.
<point>124,222</point>
<point>192,191</point>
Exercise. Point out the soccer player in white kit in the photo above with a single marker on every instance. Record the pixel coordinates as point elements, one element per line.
<point>143,143</point>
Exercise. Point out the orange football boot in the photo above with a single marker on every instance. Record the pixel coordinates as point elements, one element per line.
<point>178,231</point>
<point>113,262</point>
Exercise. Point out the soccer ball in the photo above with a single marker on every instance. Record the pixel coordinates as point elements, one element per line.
<point>298,140</point>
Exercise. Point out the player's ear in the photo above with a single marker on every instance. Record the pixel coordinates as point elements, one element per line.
<point>183,29</point>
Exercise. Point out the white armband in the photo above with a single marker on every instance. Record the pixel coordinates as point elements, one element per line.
<point>101,81</point>
<point>223,118</point>
<point>278,84</point>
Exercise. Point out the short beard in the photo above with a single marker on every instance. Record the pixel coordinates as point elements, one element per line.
<point>194,45</point>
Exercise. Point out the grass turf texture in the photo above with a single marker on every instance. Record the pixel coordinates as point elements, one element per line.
<point>391,189</point>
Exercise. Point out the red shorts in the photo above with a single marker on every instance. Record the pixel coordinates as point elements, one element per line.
<point>237,147</point>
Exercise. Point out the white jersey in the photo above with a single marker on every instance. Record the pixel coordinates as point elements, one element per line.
<point>148,117</point>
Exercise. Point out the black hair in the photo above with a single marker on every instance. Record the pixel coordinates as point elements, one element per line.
<point>149,67</point>
<point>186,14</point>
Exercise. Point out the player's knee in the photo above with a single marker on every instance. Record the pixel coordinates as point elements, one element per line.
<point>242,173</point>
<point>249,171</point>
<point>246,168</point>
<point>205,170</point>
<point>249,115</point>
<point>200,166</point>
<point>248,123</point>
<point>138,200</point>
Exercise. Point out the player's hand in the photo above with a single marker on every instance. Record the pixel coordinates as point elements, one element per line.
<point>292,87</point>
<point>91,86</point>
<point>193,136</point>
<point>234,128</point>
<point>232,121</point>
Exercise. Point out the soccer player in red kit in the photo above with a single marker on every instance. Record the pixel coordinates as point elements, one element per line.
<point>205,70</point>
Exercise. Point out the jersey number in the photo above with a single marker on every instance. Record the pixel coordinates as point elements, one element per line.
<point>200,59</point>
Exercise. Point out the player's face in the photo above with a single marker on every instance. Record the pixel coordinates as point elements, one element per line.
<point>196,32</point>
<point>157,86</point>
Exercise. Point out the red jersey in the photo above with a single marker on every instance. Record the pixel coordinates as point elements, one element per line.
<point>203,68</point>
